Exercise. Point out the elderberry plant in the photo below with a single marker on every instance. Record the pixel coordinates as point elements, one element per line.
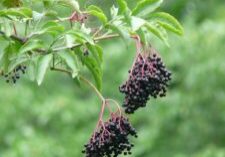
<point>36,38</point>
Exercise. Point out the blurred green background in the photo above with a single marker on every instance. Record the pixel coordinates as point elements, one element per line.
<point>56,119</point>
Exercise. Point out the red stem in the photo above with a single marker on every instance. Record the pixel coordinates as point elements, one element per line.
<point>100,116</point>
<point>138,48</point>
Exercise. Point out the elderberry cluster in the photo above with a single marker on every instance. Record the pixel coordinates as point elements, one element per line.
<point>148,77</point>
<point>15,75</point>
<point>112,139</point>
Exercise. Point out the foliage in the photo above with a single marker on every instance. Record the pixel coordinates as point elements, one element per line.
<point>57,117</point>
<point>74,39</point>
<point>72,44</point>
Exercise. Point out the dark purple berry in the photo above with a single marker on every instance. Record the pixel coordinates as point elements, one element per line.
<point>111,139</point>
<point>15,75</point>
<point>148,78</point>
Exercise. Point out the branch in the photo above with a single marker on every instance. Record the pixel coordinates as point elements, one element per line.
<point>97,39</point>
<point>106,37</point>
<point>116,103</point>
<point>61,70</point>
<point>93,87</point>
<point>23,40</point>
<point>14,37</point>
<point>83,79</point>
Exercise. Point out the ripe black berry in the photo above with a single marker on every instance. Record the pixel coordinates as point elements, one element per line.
<point>86,53</point>
<point>15,74</point>
<point>147,78</point>
<point>111,139</point>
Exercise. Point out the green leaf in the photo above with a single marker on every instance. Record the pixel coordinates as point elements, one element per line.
<point>48,13</point>
<point>128,17</point>
<point>81,37</point>
<point>48,3</point>
<point>23,13</point>
<point>30,45</point>
<point>51,27</point>
<point>69,58</point>
<point>86,30</point>
<point>122,6</point>
<point>9,53</point>
<point>4,62</point>
<point>144,7</point>
<point>97,53</point>
<point>137,23</point>
<point>114,11</point>
<point>12,3</point>
<point>51,13</point>
<point>37,16</point>
<point>2,53</point>
<point>31,70</point>
<point>142,34</point>
<point>70,3</point>
<point>94,68</point>
<point>69,40</point>
<point>159,31</point>
<point>77,81</point>
<point>43,64</point>
<point>18,61</point>
<point>167,21</point>
<point>96,11</point>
